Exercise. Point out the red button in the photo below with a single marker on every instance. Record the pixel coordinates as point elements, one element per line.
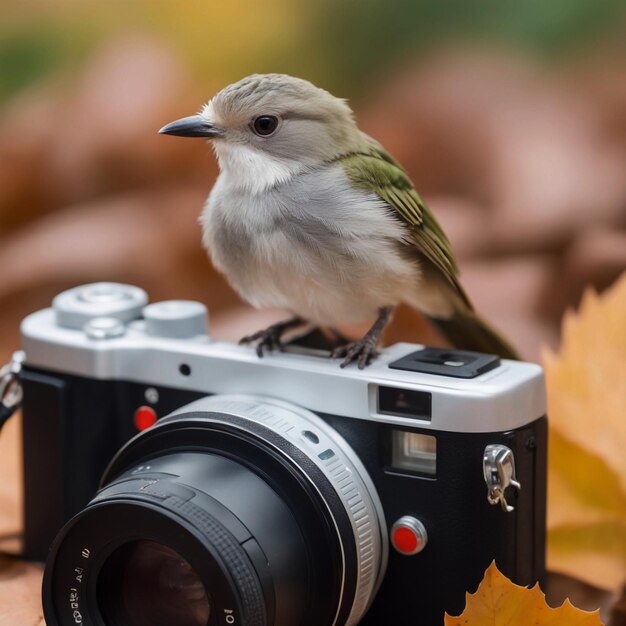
<point>145,416</point>
<point>404,540</point>
<point>408,535</point>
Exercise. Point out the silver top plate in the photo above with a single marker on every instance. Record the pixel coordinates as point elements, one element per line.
<point>504,398</point>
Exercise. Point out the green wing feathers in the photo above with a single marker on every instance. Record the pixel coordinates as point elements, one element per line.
<point>376,171</point>
<point>467,330</point>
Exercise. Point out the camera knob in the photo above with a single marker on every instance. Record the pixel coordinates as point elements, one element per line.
<point>178,319</point>
<point>76,307</point>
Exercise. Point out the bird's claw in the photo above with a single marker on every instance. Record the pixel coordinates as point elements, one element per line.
<point>266,339</point>
<point>362,351</point>
<point>270,338</point>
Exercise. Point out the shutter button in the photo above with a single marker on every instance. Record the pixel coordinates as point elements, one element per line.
<point>408,535</point>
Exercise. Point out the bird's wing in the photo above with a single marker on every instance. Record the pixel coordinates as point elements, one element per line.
<point>375,170</point>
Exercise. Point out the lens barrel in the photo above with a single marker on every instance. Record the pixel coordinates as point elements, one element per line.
<point>233,510</point>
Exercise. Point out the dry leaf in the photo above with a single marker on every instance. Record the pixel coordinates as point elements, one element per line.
<point>586,517</point>
<point>20,596</point>
<point>499,602</point>
<point>586,386</point>
<point>587,380</point>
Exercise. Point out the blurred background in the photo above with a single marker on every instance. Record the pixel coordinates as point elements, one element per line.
<point>509,117</point>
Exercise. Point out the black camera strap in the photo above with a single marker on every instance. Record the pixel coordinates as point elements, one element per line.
<point>11,392</point>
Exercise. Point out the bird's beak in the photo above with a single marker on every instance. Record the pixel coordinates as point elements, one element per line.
<point>192,126</point>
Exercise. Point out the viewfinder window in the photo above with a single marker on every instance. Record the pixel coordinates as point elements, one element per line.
<point>413,453</point>
<point>405,403</point>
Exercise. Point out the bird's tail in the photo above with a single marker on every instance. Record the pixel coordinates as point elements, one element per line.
<point>466,331</point>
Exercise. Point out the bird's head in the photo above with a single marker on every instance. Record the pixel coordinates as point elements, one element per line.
<point>272,121</point>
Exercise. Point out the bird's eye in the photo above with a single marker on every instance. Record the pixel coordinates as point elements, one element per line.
<point>265,125</point>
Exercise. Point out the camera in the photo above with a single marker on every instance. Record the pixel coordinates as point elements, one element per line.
<point>172,479</point>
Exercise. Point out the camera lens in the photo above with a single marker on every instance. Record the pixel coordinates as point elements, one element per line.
<point>145,583</point>
<point>224,513</point>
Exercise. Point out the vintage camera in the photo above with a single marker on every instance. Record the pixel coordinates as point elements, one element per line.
<point>275,491</point>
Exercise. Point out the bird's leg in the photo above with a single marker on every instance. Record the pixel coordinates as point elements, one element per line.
<point>364,350</point>
<point>269,338</point>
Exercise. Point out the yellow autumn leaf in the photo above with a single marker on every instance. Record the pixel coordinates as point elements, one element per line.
<point>499,602</point>
<point>586,387</point>
<point>586,381</point>
<point>586,517</point>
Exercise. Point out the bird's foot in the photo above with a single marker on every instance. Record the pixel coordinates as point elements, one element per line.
<point>270,338</point>
<point>364,350</point>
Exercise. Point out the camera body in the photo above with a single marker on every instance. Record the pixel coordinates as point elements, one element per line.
<point>444,436</point>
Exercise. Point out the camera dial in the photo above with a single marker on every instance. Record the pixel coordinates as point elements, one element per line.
<point>76,307</point>
<point>180,319</point>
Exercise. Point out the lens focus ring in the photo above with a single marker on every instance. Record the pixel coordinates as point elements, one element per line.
<point>234,557</point>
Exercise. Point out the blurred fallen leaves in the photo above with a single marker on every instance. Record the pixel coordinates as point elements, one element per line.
<point>586,385</point>
<point>499,602</point>
<point>20,602</point>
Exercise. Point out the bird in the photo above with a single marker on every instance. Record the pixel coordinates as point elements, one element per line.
<point>311,215</point>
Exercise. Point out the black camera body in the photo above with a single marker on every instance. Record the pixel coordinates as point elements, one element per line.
<point>298,493</point>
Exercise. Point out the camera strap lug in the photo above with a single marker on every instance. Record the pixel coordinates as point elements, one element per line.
<point>499,473</point>
<point>11,392</point>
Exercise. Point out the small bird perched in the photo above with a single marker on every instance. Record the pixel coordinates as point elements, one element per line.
<point>311,215</point>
